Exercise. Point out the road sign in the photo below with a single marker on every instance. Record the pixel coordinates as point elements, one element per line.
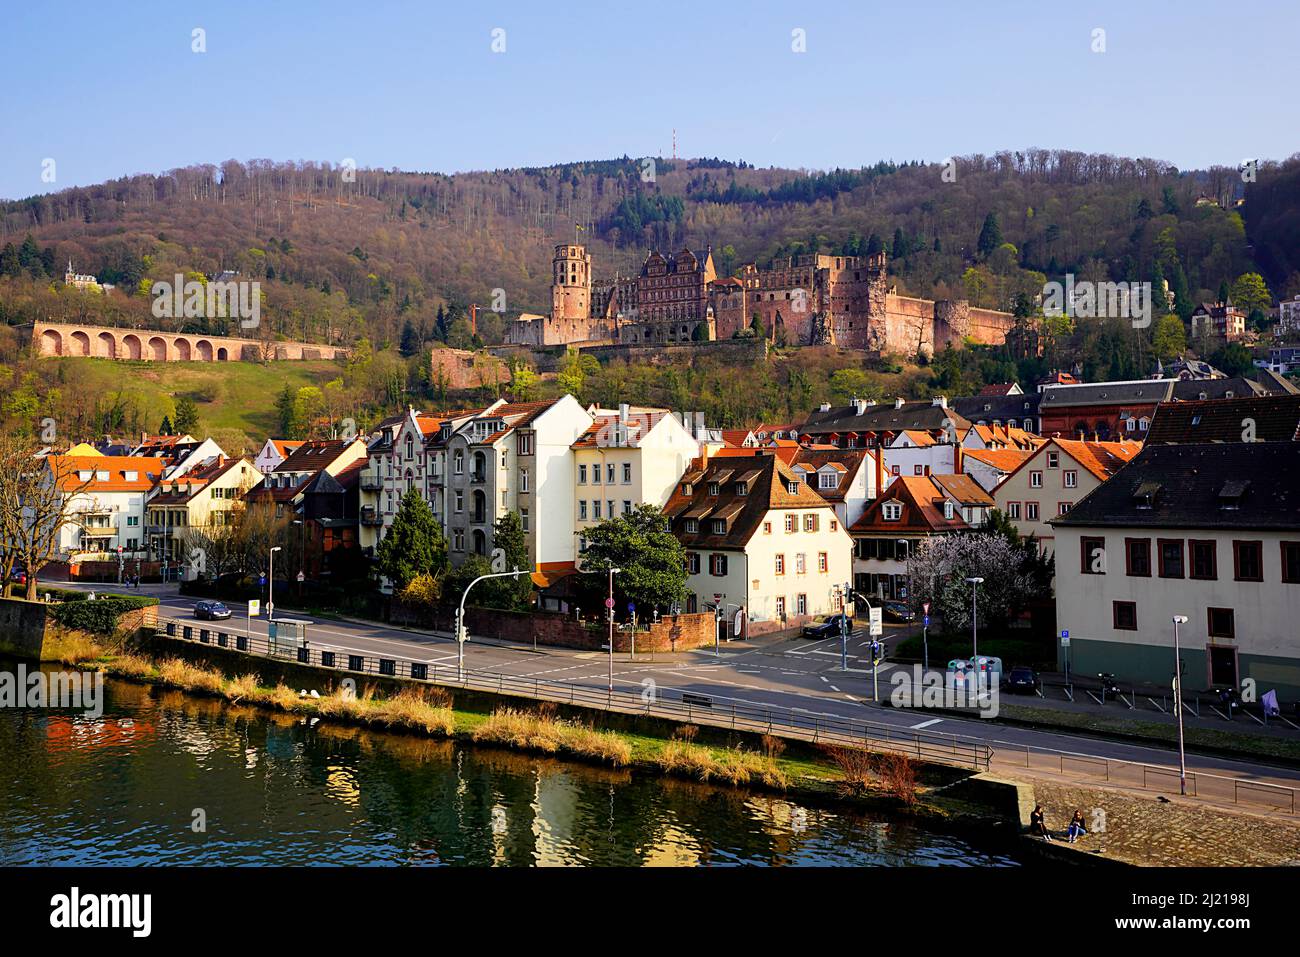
<point>631,608</point>
<point>609,603</point>
<point>1065,639</point>
<point>254,608</point>
<point>877,623</point>
<point>925,621</point>
<point>119,549</point>
<point>925,608</point>
<point>261,579</point>
<point>302,577</point>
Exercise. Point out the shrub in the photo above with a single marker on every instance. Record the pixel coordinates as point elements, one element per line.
<point>897,773</point>
<point>99,617</point>
<point>188,677</point>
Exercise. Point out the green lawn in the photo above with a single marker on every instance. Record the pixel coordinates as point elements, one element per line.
<point>237,396</point>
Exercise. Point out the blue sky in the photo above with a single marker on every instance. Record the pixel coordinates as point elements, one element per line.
<point>111,88</point>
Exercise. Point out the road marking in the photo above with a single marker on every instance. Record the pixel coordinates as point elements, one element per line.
<point>925,724</point>
<point>824,678</point>
<point>836,690</point>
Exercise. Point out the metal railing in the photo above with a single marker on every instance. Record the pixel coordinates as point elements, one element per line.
<point>1152,777</point>
<point>671,703</point>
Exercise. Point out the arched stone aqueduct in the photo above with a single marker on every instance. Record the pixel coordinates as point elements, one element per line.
<point>60,339</point>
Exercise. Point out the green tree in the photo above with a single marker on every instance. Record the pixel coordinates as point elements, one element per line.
<point>1170,338</point>
<point>187,416</point>
<point>1249,293</point>
<point>414,544</point>
<point>650,559</point>
<point>284,409</point>
<point>166,427</point>
<point>990,236</point>
<point>509,593</point>
<point>410,343</point>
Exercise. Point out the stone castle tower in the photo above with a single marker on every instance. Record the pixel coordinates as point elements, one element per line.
<point>570,284</point>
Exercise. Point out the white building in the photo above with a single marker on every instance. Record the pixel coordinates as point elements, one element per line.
<point>107,507</point>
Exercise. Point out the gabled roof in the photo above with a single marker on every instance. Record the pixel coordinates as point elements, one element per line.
<point>183,488</point>
<point>883,417</point>
<point>922,503</point>
<point>1102,459</point>
<point>1246,485</point>
<point>314,456</point>
<point>771,485</point>
<point>848,462</point>
<point>1003,408</point>
<point>285,447</point>
<point>962,488</point>
<point>147,470</point>
<point>1269,418</point>
<point>1193,389</point>
<point>1004,460</point>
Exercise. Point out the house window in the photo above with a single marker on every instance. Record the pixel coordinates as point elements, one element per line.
<point>892,511</point>
<point>1062,507</point>
<point>1053,460</point>
<point>713,488</point>
<point>1171,557</point>
<point>1291,563</point>
<point>918,470</point>
<point>828,480</point>
<point>719,526</point>
<point>526,443</point>
<point>1220,623</point>
<point>693,563</point>
<point>627,473</point>
<point>523,519</point>
<point>627,505</point>
<point>893,470</point>
<point>835,526</point>
<point>1035,479</point>
<point>1031,511</point>
<point>1071,478</point>
<point>1092,556</point>
<point>458,539</point>
<point>1204,559</point>
<point>1137,552</point>
<point>1248,557</point>
<point>1125,615</point>
<point>582,514</point>
<point>792,487</point>
<point>780,564</point>
<point>780,607</point>
<point>801,604</point>
<point>789,523</point>
<point>458,462</point>
<point>460,500</point>
<point>609,511</point>
<point>582,475</point>
<point>947,510</point>
<point>692,526</point>
<point>810,523</point>
<point>609,473</point>
<point>718,564</point>
<point>595,509</point>
<point>800,564</point>
<point>742,489</point>
<point>1013,510</point>
<point>523,480</point>
<point>767,528</point>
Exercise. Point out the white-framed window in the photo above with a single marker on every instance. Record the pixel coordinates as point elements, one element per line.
<point>609,473</point>
<point>582,475</point>
<point>800,564</point>
<point>780,564</point>
<point>828,480</point>
<point>627,505</point>
<point>718,564</point>
<point>1071,478</point>
<point>947,510</point>
<point>1031,511</point>
<point>692,526</point>
<point>713,488</point>
<point>460,500</point>
<point>789,523</point>
<point>1035,479</point>
<point>458,462</point>
<point>692,563</point>
<point>1053,460</point>
<point>742,489</point>
<point>1062,507</point>
<point>1013,509</point>
<point>525,443</point>
<point>582,512</point>
<point>523,519</point>
<point>780,606</point>
<point>823,562</point>
<point>892,511</point>
<point>719,526</point>
<point>595,509</point>
<point>523,480</point>
<point>810,523</point>
<point>627,473</point>
<point>801,605</point>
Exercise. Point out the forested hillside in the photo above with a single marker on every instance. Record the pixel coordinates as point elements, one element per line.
<point>345,254</point>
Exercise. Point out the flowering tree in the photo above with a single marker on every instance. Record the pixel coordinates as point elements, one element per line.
<point>940,566</point>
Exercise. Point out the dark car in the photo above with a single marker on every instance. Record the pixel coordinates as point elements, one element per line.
<point>898,611</point>
<point>211,611</point>
<point>829,628</point>
<point>18,576</point>
<point>1021,681</point>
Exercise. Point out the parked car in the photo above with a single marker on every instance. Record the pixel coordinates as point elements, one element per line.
<point>211,611</point>
<point>898,611</point>
<point>1021,680</point>
<point>18,576</point>
<point>827,628</point>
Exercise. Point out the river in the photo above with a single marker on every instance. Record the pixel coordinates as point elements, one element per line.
<point>164,778</point>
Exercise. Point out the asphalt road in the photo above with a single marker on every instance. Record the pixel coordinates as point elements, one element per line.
<point>768,672</point>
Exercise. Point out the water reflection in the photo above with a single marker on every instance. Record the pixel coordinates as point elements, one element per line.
<point>126,788</point>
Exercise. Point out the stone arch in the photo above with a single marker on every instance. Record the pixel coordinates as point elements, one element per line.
<point>158,349</point>
<point>80,344</point>
<point>479,542</point>
<point>222,354</point>
<point>106,345</point>
<point>51,343</point>
<point>204,350</point>
<point>182,349</point>
<point>131,346</point>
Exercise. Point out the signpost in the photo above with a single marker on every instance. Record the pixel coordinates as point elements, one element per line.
<point>254,609</point>
<point>631,611</point>
<point>1065,644</point>
<point>925,635</point>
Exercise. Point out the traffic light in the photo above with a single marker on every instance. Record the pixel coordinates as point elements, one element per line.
<point>877,652</point>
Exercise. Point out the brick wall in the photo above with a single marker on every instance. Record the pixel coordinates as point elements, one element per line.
<point>678,633</point>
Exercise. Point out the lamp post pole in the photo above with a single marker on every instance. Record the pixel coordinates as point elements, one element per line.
<point>461,636</point>
<point>1178,704</point>
<point>270,585</point>
<point>974,626</point>
<point>609,608</point>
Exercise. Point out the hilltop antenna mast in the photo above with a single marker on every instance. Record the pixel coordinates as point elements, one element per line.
<point>674,144</point>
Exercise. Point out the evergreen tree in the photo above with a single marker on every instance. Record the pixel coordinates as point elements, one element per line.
<point>414,544</point>
<point>166,427</point>
<point>512,594</point>
<point>900,248</point>
<point>410,343</point>
<point>284,403</point>
<point>990,236</point>
<point>187,416</point>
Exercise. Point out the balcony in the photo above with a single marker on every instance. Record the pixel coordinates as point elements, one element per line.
<point>370,482</point>
<point>370,516</point>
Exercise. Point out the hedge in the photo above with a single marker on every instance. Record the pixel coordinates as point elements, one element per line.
<point>100,616</point>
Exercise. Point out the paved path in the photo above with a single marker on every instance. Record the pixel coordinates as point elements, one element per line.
<point>791,672</point>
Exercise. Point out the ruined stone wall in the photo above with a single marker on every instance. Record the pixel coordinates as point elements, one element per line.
<point>464,369</point>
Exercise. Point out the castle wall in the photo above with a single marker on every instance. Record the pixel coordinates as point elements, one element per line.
<point>464,369</point>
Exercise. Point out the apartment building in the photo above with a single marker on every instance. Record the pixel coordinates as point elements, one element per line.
<point>185,507</point>
<point>107,508</point>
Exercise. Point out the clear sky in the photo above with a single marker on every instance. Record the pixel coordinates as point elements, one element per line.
<point>111,88</point>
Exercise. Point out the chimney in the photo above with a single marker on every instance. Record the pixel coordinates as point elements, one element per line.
<point>859,406</point>
<point>623,409</point>
<point>898,403</point>
<point>824,407</point>
<point>880,466</point>
<point>956,458</point>
<point>940,401</point>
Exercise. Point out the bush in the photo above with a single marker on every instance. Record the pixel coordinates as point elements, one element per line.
<point>99,617</point>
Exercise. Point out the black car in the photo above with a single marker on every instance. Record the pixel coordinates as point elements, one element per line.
<point>211,611</point>
<point>898,611</point>
<point>830,628</point>
<point>1021,681</point>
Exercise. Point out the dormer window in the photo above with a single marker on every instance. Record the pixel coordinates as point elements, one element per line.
<point>1144,496</point>
<point>828,480</point>
<point>692,526</point>
<point>688,489</point>
<point>947,510</point>
<point>713,488</point>
<point>719,526</point>
<point>1231,494</point>
<point>792,488</point>
<point>892,511</point>
<point>742,489</point>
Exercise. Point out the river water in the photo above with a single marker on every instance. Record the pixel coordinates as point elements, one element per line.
<point>162,778</point>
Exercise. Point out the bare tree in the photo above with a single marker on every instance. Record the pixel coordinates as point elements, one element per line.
<point>38,499</point>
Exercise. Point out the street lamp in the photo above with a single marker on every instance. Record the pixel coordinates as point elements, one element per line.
<point>270,585</point>
<point>609,607</point>
<point>461,633</point>
<point>1178,704</point>
<point>974,628</point>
